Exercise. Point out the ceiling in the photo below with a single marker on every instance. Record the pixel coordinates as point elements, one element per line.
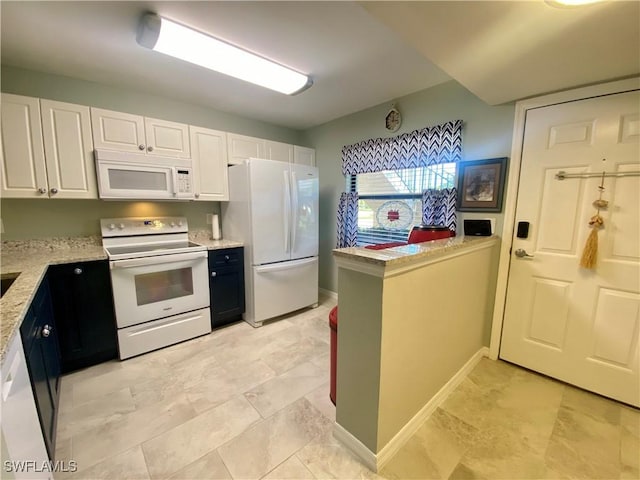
<point>358,54</point>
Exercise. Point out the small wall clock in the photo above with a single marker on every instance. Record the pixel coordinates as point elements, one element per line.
<point>393,119</point>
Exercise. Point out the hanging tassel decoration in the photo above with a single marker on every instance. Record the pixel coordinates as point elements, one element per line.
<point>590,252</point>
<point>589,257</point>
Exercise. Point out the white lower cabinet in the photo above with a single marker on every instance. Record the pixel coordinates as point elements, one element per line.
<point>24,454</point>
<point>209,153</point>
<point>47,149</point>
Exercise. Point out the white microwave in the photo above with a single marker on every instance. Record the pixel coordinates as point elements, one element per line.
<point>137,176</point>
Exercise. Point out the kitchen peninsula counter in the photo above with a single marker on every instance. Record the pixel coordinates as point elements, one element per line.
<point>410,320</point>
<point>31,258</point>
<point>411,255</point>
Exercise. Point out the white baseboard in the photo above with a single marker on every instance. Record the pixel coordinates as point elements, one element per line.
<point>328,294</point>
<point>374,461</point>
<point>356,446</point>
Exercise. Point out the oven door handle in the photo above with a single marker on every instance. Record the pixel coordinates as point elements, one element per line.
<point>157,260</point>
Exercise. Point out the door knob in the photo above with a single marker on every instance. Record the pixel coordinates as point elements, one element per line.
<point>521,253</point>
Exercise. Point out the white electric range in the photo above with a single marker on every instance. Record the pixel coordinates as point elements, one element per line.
<point>160,282</point>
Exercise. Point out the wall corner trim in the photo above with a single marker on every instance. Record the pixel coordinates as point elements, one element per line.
<point>375,462</point>
<point>328,294</point>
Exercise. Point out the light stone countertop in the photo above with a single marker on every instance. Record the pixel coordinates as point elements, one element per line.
<point>405,254</point>
<point>31,258</point>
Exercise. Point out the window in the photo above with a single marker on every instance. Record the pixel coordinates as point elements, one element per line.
<point>390,202</point>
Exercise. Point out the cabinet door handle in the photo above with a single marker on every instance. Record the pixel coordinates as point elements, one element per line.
<point>42,190</point>
<point>226,258</point>
<point>150,148</point>
<point>77,271</point>
<point>46,330</point>
<point>213,274</point>
<point>54,190</point>
<point>141,147</point>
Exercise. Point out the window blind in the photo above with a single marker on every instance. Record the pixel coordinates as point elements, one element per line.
<point>390,201</point>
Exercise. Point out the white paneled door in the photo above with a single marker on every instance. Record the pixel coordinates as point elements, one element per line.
<point>580,326</point>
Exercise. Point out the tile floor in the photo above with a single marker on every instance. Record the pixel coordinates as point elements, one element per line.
<point>247,403</point>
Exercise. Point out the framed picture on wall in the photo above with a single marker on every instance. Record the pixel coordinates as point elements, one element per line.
<point>481,185</point>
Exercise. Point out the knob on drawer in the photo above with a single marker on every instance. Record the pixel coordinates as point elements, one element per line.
<point>77,271</point>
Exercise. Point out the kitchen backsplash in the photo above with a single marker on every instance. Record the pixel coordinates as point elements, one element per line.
<point>44,218</point>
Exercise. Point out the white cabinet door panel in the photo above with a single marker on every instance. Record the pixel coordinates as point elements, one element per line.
<point>23,169</point>
<point>165,138</point>
<point>304,156</point>
<point>68,150</point>
<point>209,151</point>
<point>282,152</point>
<point>242,147</point>
<point>117,131</point>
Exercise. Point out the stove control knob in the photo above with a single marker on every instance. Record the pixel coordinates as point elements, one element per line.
<point>173,224</point>
<point>179,224</point>
<point>121,226</point>
<point>112,226</point>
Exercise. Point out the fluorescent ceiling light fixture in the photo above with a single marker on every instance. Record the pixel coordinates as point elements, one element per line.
<point>571,3</point>
<point>171,38</point>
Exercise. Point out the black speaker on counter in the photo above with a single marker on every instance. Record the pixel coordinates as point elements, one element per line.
<point>477,228</point>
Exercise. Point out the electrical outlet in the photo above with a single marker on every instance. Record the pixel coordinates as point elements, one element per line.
<point>209,218</point>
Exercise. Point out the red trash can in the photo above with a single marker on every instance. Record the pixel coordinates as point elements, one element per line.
<point>333,324</point>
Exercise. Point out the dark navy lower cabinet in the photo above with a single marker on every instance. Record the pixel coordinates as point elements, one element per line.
<point>39,340</point>
<point>83,308</point>
<point>226,285</point>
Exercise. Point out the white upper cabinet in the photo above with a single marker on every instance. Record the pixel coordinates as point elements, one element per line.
<point>278,151</point>
<point>209,153</point>
<point>68,150</point>
<point>304,156</point>
<point>24,174</point>
<point>167,138</point>
<point>46,149</point>
<point>133,133</point>
<point>241,147</point>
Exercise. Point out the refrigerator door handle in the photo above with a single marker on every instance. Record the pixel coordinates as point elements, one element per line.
<point>295,207</point>
<point>287,209</point>
<point>278,267</point>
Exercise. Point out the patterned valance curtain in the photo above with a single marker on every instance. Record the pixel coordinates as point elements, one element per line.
<point>420,148</point>
<point>347,220</point>
<point>439,207</point>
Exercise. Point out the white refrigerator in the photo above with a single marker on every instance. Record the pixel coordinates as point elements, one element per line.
<point>273,211</point>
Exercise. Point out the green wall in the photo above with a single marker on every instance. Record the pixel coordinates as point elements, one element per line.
<point>73,90</point>
<point>487,133</point>
<point>41,218</point>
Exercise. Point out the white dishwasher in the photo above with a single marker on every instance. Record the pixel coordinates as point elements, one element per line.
<point>23,442</point>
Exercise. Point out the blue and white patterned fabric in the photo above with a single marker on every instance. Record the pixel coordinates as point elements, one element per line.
<point>347,220</point>
<point>420,148</point>
<point>439,207</point>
